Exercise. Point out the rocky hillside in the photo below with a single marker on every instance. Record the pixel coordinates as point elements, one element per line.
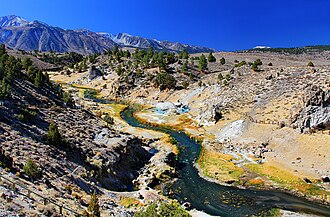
<point>20,34</point>
<point>53,147</point>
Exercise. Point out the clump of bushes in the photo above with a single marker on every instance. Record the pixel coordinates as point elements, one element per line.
<point>240,64</point>
<point>93,208</point>
<point>54,137</point>
<point>256,64</point>
<point>163,210</point>
<point>165,81</point>
<point>32,170</point>
<point>27,115</point>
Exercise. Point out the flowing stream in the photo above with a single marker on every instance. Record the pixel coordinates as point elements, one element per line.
<point>220,200</point>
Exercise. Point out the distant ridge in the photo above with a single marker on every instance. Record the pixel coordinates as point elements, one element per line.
<point>18,33</point>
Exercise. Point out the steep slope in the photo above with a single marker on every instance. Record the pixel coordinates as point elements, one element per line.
<point>12,20</point>
<point>18,33</point>
<point>85,150</point>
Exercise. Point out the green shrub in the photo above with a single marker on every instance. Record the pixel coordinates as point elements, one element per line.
<point>185,84</point>
<point>26,115</point>
<point>4,89</point>
<point>211,58</point>
<point>163,210</point>
<point>310,64</point>
<point>89,93</point>
<point>220,77</point>
<point>222,61</point>
<point>68,99</point>
<point>165,81</point>
<point>202,65</point>
<point>240,64</point>
<point>53,136</point>
<point>184,67</point>
<point>31,169</point>
<point>93,206</point>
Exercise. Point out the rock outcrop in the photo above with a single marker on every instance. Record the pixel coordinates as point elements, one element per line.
<point>316,111</point>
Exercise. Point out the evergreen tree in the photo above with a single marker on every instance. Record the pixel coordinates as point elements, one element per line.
<point>183,54</point>
<point>38,81</point>
<point>165,81</point>
<point>53,135</point>
<point>93,206</point>
<point>211,58</point>
<point>31,169</point>
<point>185,67</point>
<point>310,64</point>
<point>4,89</point>
<point>223,61</point>
<point>2,49</point>
<point>68,99</point>
<point>202,65</point>
<point>26,63</point>
<point>191,61</point>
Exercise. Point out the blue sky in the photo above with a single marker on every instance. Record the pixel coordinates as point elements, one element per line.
<point>224,25</point>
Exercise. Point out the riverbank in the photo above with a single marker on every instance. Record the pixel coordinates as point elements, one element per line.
<point>229,165</point>
<point>184,123</point>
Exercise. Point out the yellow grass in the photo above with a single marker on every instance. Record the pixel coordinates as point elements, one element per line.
<point>288,180</point>
<point>219,166</point>
<point>129,202</point>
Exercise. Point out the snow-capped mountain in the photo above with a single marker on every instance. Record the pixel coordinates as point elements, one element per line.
<point>12,20</point>
<point>17,33</point>
<point>127,40</point>
<point>261,47</point>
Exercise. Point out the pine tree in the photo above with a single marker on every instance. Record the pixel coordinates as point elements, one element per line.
<point>53,135</point>
<point>26,63</point>
<point>31,170</point>
<point>310,64</point>
<point>202,65</point>
<point>185,67</point>
<point>93,206</point>
<point>223,61</point>
<point>2,49</point>
<point>211,58</point>
<point>38,79</point>
<point>4,89</point>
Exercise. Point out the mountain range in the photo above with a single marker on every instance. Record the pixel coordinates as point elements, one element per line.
<point>20,34</point>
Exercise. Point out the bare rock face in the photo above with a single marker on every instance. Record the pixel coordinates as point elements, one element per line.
<point>316,111</point>
<point>93,73</point>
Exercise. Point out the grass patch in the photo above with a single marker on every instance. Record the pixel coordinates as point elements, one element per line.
<point>129,202</point>
<point>219,166</point>
<point>287,180</point>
